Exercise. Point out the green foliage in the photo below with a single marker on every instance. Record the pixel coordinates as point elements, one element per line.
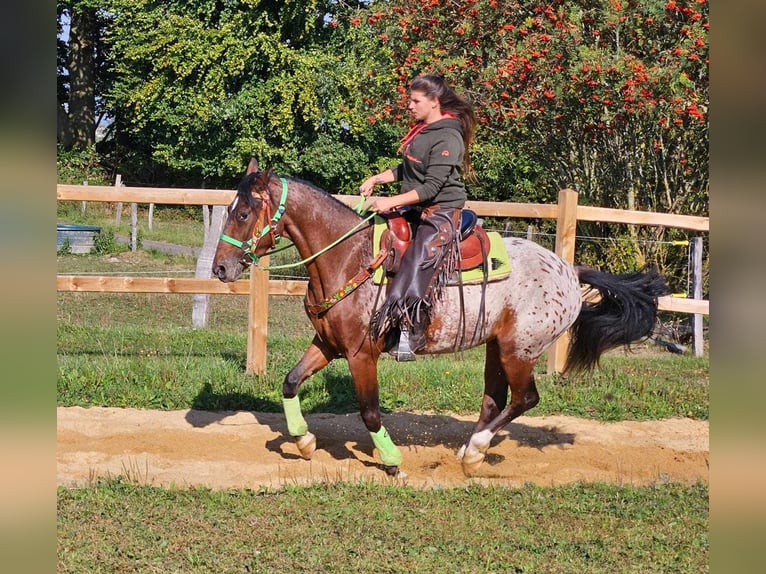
<point>203,90</point>
<point>65,249</point>
<point>333,166</point>
<point>507,174</point>
<point>81,166</point>
<point>105,243</point>
<point>607,97</point>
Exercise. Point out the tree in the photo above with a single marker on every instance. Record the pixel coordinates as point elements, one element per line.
<point>606,96</point>
<point>81,72</point>
<point>202,86</point>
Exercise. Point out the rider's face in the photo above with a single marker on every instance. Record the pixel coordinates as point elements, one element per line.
<point>422,107</point>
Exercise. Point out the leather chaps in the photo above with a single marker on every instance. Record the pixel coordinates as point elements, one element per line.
<point>425,268</point>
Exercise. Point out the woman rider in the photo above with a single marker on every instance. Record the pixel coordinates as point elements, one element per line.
<point>434,159</point>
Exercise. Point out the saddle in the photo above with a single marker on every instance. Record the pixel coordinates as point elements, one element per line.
<point>397,237</point>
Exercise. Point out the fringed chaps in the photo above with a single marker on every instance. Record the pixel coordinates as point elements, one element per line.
<point>425,269</point>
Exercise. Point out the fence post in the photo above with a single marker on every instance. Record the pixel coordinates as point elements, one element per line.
<point>201,302</point>
<point>697,336</point>
<point>118,206</point>
<point>566,229</point>
<point>258,319</point>
<point>83,204</point>
<point>134,227</point>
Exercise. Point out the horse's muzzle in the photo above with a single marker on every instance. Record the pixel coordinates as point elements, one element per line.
<point>225,274</point>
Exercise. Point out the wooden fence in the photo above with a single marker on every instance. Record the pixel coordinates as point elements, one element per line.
<point>566,212</point>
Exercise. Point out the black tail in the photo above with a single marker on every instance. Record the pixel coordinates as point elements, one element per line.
<point>625,312</point>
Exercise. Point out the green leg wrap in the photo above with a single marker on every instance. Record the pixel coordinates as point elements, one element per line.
<point>389,453</point>
<point>296,424</point>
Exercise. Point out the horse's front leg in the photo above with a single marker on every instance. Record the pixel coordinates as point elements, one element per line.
<point>315,358</point>
<point>364,371</point>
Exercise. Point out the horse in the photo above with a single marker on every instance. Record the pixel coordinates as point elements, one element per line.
<point>521,315</point>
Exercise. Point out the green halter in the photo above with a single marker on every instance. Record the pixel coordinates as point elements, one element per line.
<point>270,229</point>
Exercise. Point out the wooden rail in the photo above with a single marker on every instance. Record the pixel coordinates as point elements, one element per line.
<point>187,285</point>
<point>180,196</point>
<point>292,287</point>
<point>567,212</point>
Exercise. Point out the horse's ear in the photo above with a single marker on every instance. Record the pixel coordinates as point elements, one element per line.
<point>261,181</point>
<point>266,175</point>
<point>252,167</point>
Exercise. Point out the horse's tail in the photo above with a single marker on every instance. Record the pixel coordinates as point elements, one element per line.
<point>625,312</point>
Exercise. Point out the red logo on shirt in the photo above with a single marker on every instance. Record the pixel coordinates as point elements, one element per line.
<point>445,153</point>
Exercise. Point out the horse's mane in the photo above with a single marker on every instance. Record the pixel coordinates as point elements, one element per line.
<point>243,190</point>
<point>324,193</point>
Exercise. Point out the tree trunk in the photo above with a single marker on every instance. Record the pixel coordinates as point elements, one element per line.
<point>200,302</point>
<point>63,130</point>
<point>82,77</point>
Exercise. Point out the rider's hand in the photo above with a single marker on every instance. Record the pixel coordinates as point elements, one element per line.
<point>366,188</point>
<point>383,204</point>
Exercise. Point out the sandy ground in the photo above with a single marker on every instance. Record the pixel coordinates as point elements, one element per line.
<point>251,450</point>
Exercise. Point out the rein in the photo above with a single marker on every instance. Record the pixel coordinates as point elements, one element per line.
<point>325,249</point>
<point>349,287</point>
<point>251,244</point>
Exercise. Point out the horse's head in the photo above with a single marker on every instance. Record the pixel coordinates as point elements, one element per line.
<point>248,232</point>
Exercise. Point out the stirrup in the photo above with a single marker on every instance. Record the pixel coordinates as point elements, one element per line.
<point>403,352</point>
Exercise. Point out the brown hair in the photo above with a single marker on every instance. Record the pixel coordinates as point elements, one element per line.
<point>436,87</point>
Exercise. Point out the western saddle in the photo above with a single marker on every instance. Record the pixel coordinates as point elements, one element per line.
<point>474,243</point>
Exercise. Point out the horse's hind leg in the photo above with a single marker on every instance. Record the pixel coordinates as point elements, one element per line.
<point>501,373</point>
<point>316,357</point>
<point>495,387</point>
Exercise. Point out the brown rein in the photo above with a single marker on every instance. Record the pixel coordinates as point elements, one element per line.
<point>351,285</point>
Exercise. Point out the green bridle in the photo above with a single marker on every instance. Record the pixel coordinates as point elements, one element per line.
<point>269,229</point>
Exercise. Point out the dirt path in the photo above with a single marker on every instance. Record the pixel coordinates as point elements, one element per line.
<point>251,450</point>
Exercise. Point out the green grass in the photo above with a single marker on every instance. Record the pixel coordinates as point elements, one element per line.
<point>180,367</point>
<point>174,224</point>
<point>115,526</point>
<point>140,350</point>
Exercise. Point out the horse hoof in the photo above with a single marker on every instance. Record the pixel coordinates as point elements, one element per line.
<point>307,444</point>
<point>393,471</point>
<point>472,462</point>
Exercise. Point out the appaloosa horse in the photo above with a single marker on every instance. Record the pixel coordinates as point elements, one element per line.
<point>523,313</point>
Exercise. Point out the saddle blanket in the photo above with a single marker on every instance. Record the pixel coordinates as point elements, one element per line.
<point>499,263</point>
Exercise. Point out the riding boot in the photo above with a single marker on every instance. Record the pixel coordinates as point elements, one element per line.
<point>403,352</point>
<point>425,268</point>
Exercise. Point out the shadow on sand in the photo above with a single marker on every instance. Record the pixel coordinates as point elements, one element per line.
<point>343,435</point>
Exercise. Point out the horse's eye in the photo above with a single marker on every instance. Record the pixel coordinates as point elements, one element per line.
<point>242,215</point>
